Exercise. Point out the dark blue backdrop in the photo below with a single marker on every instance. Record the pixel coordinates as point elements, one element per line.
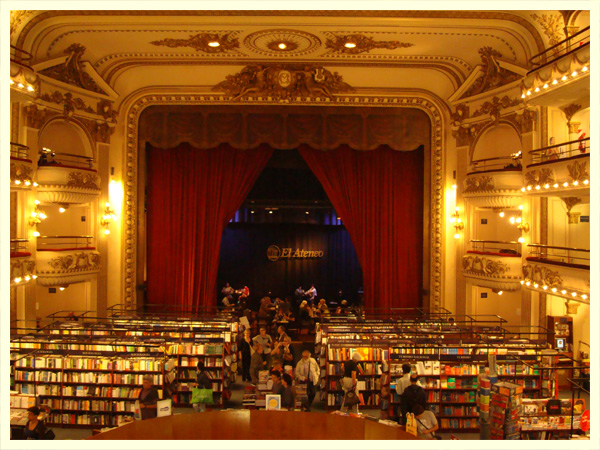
<point>243,260</point>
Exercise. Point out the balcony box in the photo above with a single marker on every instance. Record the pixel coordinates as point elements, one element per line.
<point>551,176</point>
<point>494,188</point>
<point>63,260</point>
<point>22,267</point>
<point>67,184</point>
<point>21,167</point>
<point>493,270</point>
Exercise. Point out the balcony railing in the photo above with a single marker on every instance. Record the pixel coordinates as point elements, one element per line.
<point>561,255</point>
<point>570,44</point>
<point>54,159</point>
<point>560,151</point>
<point>19,247</point>
<point>498,248</point>
<point>19,151</point>
<point>64,243</point>
<point>512,162</point>
<point>20,56</point>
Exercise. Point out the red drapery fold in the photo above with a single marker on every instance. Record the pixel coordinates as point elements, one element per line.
<point>379,196</point>
<point>191,196</point>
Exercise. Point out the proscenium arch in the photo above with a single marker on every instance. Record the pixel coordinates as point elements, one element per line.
<point>433,188</point>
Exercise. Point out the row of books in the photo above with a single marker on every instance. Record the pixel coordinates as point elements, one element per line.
<point>93,405</point>
<point>130,378</point>
<point>459,410</point>
<point>562,422</point>
<point>462,397</point>
<point>216,386</point>
<point>208,362</point>
<point>88,377</point>
<point>369,383</point>
<point>363,368</point>
<point>518,369</point>
<point>344,354</point>
<point>366,399</point>
<point>195,349</point>
<point>458,383</point>
<point>84,347</point>
<point>191,373</point>
<point>459,423</point>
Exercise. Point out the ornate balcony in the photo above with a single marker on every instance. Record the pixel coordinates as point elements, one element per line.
<point>63,260</point>
<point>559,170</point>
<point>24,82</point>
<point>22,265</point>
<point>560,271</point>
<point>494,182</point>
<point>494,264</point>
<point>560,72</point>
<point>21,167</point>
<point>67,179</point>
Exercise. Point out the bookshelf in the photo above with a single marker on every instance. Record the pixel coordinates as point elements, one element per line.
<point>560,337</point>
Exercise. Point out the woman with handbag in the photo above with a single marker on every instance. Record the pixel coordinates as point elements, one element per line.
<point>349,384</point>
<point>204,382</point>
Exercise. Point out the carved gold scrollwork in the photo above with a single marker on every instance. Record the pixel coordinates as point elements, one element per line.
<point>479,265</point>
<point>494,107</point>
<point>360,44</point>
<point>83,180</point>
<point>492,75</point>
<point>20,267</point>
<point>69,103</point>
<point>479,184</point>
<point>283,82</point>
<point>201,42</point>
<point>539,177</point>
<point>578,171</point>
<point>20,172</point>
<point>78,261</point>
<point>542,275</point>
<point>36,117</point>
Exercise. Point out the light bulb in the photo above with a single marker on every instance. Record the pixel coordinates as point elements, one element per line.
<point>521,240</point>
<point>43,216</point>
<point>34,213</point>
<point>30,88</point>
<point>349,45</point>
<point>501,214</point>
<point>34,276</point>
<point>546,86</point>
<point>37,202</point>
<point>563,292</point>
<point>527,283</point>
<point>555,185</point>
<point>106,231</point>
<point>575,183</point>
<point>282,46</point>
<point>456,236</point>
<point>512,220</point>
<point>454,186</point>
<point>17,280</point>
<point>555,81</point>
<point>27,278</point>
<point>17,182</point>
<point>27,183</point>
<point>565,184</point>
<point>270,212</point>
<point>529,188</point>
<point>36,233</point>
<point>12,82</point>
<point>545,287</point>
<point>564,78</point>
<point>584,69</point>
<point>522,281</point>
<point>528,92</point>
<point>546,186</point>
<point>535,285</point>
<point>452,219</point>
<point>574,74</point>
<point>519,220</point>
<point>20,85</point>
<point>35,184</point>
<point>214,44</point>
<point>61,209</point>
<point>62,288</point>
<point>537,89</point>
<point>537,188</point>
<point>251,212</point>
<point>586,181</point>
<point>583,296</point>
<point>500,292</point>
<point>522,95</point>
<point>574,294</point>
<point>307,212</point>
<point>522,189</point>
<point>521,207</point>
<point>554,289</point>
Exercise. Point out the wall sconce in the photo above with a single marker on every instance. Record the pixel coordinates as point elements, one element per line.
<point>524,227</point>
<point>457,222</point>
<point>37,215</point>
<point>108,216</point>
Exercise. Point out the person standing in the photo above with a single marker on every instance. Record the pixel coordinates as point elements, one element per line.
<point>266,342</point>
<point>204,382</point>
<point>35,428</point>
<point>245,353</point>
<point>257,363</point>
<point>148,398</point>
<point>307,371</point>
<point>312,294</point>
<point>401,385</point>
<point>288,398</point>
<point>413,395</point>
<point>349,382</point>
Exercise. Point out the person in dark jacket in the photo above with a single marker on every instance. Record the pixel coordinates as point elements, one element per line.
<point>204,382</point>
<point>35,428</point>
<point>245,355</point>
<point>148,398</point>
<point>288,397</point>
<point>413,395</point>
<point>277,387</point>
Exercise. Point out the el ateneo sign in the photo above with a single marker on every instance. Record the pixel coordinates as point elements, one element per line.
<point>275,253</point>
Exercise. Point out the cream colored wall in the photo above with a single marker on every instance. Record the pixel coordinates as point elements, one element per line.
<point>76,297</point>
<point>563,234</point>
<point>68,223</point>
<point>507,305</point>
<point>64,137</point>
<point>581,322</point>
<point>501,140</point>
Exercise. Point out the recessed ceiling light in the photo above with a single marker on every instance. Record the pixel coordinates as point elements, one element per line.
<point>282,46</point>
<point>349,45</point>
<point>214,44</point>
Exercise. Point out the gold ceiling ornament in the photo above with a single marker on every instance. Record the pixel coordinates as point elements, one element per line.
<point>283,82</point>
<point>36,116</point>
<point>359,43</point>
<point>542,275</point>
<point>479,184</point>
<point>16,17</point>
<point>570,202</point>
<point>553,26</point>
<point>578,171</point>
<point>83,180</point>
<point>282,42</point>
<point>20,267</point>
<point>492,75</point>
<point>494,107</point>
<point>71,71</point>
<point>539,177</point>
<point>525,120</point>
<point>570,111</point>
<point>203,42</point>
<point>461,113</point>
<point>480,265</point>
<point>69,103</point>
<point>77,261</point>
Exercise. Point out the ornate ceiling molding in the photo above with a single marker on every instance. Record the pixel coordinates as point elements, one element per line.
<point>553,26</point>
<point>16,17</point>
<point>69,103</point>
<point>201,42</point>
<point>136,106</point>
<point>359,43</point>
<point>283,82</point>
<point>72,72</point>
<point>297,43</point>
<point>495,107</point>
<point>492,75</point>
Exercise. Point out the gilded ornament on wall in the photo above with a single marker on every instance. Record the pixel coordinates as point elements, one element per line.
<point>37,117</point>
<point>69,103</point>
<point>16,17</point>
<point>553,26</point>
<point>542,275</point>
<point>570,111</point>
<point>578,171</point>
<point>283,82</point>
<point>83,180</point>
<point>492,75</point>
<point>72,72</point>
<point>20,172</point>
<point>460,113</point>
<point>359,43</point>
<point>20,267</point>
<point>495,107</point>
<point>201,42</point>
<point>478,265</point>
<point>77,261</point>
<point>526,120</point>
<point>539,177</point>
<point>479,184</point>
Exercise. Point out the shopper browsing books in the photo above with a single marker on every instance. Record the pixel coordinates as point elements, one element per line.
<point>413,395</point>
<point>349,382</point>
<point>307,371</point>
<point>148,398</point>
<point>427,423</point>
<point>35,428</point>
<point>266,343</point>
<point>256,363</point>
<point>288,396</point>
<point>203,381</point>
<point>277,388</point>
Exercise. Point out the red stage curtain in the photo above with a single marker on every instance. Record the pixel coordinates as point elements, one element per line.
<point>191,196</point>
<point>379,196</point>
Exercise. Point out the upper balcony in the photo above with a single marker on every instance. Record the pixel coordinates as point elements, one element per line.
<point>22,264</point>
<point>493,264</point>
<point>560,72</point>
<point>66,178</point>
<point>559,170</point>
<point>21,167</point>
<point>494,182</point>
<point>63,260</point>
<point>560,271</point>
<point>24,82</point>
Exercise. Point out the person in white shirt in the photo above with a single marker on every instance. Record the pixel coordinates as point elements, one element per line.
<point>402,384</point>
<point>307,371</point>
<point>312,294</point>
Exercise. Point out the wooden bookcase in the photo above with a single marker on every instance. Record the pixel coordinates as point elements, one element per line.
<point>561,328</point>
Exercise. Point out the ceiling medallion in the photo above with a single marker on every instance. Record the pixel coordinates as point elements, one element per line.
<point>269,42</point>
<point>203,42</point>
<point>283,82</point>
<point>359,43</point>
